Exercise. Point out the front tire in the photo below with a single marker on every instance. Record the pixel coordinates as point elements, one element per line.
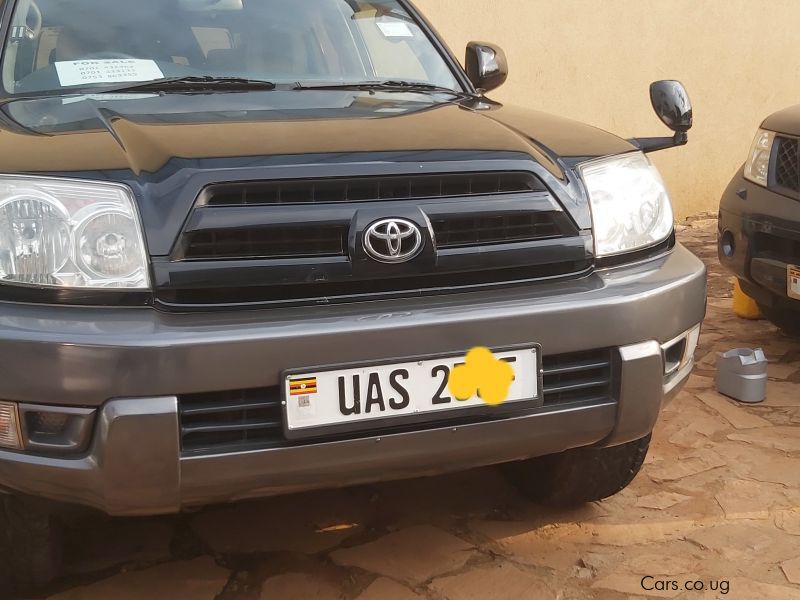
<point>786,320</point>
<point>30,544</point>
<point>579,476</point>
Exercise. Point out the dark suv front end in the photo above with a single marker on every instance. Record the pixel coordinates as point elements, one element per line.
<point>186,258</point>
<point>261,268</point>
<point>759,225</point>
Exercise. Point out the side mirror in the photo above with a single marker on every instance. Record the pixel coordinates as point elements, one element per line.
<point>486,64</point>
<point>672,105</point>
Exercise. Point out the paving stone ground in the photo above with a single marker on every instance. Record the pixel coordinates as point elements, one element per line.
<point>718,502</point>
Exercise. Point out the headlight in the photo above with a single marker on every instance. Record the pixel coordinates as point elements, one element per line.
<point>70,234</point>
<point>756,169</point>
<point>631,209</point>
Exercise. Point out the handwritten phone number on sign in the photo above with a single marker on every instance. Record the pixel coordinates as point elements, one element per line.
<point>95,69</point>
<point>94,72</point>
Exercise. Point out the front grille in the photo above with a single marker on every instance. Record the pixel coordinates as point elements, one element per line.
<point>242,420</point>
<point>787,164</point>
<point>365,189</point>
<point>265,242</point>
<point>301,242</point>
<point>219,234</point>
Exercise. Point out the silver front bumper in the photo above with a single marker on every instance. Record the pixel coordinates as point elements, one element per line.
<point>92,357</point>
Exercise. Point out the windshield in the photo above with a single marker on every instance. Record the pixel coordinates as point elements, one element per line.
<point>61,46</point>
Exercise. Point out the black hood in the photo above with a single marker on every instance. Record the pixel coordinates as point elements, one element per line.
<point>784,121</point>
<point>142,133</point>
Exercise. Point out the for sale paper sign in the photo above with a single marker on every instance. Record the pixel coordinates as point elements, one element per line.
<point>114,70</point>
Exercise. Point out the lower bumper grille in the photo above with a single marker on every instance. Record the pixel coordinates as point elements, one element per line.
<point>776,247</point>
<point>233,418</point>
<point>578,377</point>
<point>241,420</point>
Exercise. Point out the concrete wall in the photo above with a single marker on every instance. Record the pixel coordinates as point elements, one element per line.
<point>593,60</point>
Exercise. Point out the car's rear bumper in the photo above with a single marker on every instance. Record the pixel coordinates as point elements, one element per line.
<point>133,364</point>
<point>759,237</point>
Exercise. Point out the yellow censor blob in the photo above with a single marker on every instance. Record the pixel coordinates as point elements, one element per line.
<point>484,375</point>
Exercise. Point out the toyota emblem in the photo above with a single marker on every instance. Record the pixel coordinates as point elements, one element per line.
<point>393,240</point>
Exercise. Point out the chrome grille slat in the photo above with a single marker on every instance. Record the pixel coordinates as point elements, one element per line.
<point>580,366</point>
<point>215,407</point>
<point>248,426</point>
<point>578,385</point>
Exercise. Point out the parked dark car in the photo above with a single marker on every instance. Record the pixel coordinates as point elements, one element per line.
<point>759,221</point>
<point>243,243</point>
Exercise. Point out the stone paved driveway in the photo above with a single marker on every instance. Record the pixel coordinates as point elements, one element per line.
<point>718,503</point>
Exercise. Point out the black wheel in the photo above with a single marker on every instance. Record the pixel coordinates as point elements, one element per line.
<point>579,476</point>
<point>787,320</point>
<point>30,544</point>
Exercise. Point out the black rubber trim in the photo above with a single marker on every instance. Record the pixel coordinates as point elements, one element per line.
<point>73,297</point>
<point>639,255</point>
<point>214,300</point>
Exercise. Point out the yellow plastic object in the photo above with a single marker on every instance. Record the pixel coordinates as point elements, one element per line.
<point>743,305</point>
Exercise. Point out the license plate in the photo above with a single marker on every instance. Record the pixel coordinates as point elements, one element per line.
<point>793,282</point>
<point>329,401</point>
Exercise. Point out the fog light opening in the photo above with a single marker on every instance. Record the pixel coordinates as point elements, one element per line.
<point>55,429</point>
<point>679,353</point>
<point>46,424</point>
<point>10,436</point>
<point>673,356</point>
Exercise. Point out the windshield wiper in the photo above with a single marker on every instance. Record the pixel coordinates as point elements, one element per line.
<point>191,84</point>
<point>385,86</point>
